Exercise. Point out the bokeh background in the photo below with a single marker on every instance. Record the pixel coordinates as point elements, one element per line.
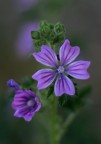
<point>82,20</point>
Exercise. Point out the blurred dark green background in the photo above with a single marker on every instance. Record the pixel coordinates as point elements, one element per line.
<point>82,19</point>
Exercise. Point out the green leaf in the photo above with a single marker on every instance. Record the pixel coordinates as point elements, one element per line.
<point>76,102</point>
<point>85,91</point>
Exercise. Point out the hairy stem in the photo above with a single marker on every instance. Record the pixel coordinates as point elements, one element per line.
<point>54,127</point>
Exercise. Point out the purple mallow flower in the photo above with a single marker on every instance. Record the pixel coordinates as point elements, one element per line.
<point>61,69</point>
<point>25,102</point>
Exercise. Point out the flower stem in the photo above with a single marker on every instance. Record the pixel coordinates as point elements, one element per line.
<point>54,128</point>
<point>66,124</point>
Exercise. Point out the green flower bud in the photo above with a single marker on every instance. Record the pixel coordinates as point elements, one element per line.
<point>52,35</point>
<point>43,24</point>
<point>35,34</point>
<point>59,29</point>
<point>38,44</point>
<point>45,31</point>
<point>51,26</point>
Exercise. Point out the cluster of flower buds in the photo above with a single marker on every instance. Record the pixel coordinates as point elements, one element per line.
<point>48,34</point>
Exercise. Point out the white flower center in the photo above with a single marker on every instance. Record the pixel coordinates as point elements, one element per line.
<point>61,69</point>
<point>30,103</point>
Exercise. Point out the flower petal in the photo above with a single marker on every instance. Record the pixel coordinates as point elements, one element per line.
<point>38,104</point>
<point>19,102</point>
<point>29,116</point>
<point>44,77</point>
<point>24,113</point>
<point>21,112</point>
<point>21,97</point>
<point>47,56</point>
<point>68,53</point>
<point>78,69</point>
<point>64,85</point>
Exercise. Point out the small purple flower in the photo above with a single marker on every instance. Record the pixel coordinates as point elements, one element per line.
<point>26,104</point>
<point>61,69</point>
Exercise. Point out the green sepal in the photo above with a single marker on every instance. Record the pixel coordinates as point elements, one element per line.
<point>50,91</point>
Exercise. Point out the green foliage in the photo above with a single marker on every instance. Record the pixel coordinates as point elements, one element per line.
<point>85,91</point>
<point>28,83</point>
<point>75,102</point>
